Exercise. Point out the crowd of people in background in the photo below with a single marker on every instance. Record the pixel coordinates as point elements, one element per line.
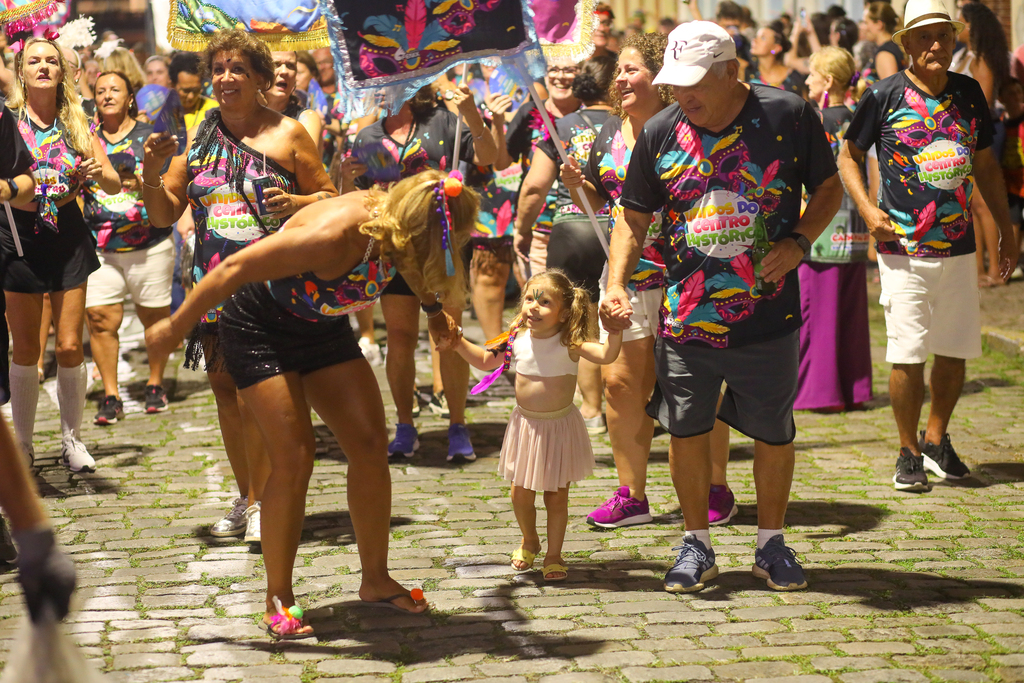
<point>731,283</point>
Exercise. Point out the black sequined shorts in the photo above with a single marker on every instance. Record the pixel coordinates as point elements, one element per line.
<point>259,339</point>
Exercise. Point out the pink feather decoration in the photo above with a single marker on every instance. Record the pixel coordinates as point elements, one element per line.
<point>744,267</point>
<point>689,141</point>
<point>415,23</point>
<point>917,103</point>
<point>770,173</point>
<point>504,217</point>
<point>925,221</point>
<point>690,295</point>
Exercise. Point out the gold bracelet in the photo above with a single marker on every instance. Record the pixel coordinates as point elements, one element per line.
<point>155,187</point>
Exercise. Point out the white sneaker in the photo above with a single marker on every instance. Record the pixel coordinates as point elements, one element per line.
<point>371,351</point>
<point>252,525</point>
<point>75,456</point>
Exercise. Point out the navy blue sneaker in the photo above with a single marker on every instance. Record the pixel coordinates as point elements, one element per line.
<point>695,565</point>
<point>459,445</point>
<point>406,441</point>
<point>777,563</point>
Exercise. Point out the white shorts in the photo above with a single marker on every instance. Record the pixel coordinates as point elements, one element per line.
<point>646,313</point>
<point>931,307</point>
<point>146,275</point>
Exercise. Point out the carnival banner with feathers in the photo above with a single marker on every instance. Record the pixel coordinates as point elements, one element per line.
<point>282,24</point>
<point>385,51</point>
<point>565,27</point>
<point>22,15</point>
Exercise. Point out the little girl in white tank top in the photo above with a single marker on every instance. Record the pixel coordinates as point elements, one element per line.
<point>546,444</point>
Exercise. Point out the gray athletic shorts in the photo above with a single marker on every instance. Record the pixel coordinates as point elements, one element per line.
<point>761,382</point>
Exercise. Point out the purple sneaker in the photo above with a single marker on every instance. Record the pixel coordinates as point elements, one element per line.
<point>721,505</point>
<point>621,510</point>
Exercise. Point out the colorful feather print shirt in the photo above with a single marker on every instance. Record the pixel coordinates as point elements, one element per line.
<point>578,132</point>
<point>711,187</point>
<point>523,135</point>
<point>431,145</point>
<point>225,219</point>
<point>119,222</point>
<point>57,172</point>
<point>606,171</point>
<point>926,149</point>
<point>314,299</point>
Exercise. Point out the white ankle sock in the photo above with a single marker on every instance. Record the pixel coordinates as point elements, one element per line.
<point>702,535</point>
<point>24,400</point>
<point>765,535</point>
<point>71,386</point>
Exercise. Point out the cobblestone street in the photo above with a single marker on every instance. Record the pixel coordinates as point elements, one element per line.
<point>903,587</point>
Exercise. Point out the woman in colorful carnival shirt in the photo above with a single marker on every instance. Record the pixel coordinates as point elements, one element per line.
<point>290,348</point>
<point>135,257</point>
<point>769,46</point>
<point>877,25</point>
<point>524,134</point>
<point>835,349</point>
<point>282,98</point>
<point>492,254</point>
<point>983,58</point>
<point>573,245</point>
<point>421,136</point>
<point>237,145</point>
<point>629,381</point>
<point>58,250</point>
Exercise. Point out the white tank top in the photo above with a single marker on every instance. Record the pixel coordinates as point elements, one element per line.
<point>541,357</point>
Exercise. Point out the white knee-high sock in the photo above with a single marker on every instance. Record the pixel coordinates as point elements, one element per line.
<point>24,400</point>
<point>71,386</point>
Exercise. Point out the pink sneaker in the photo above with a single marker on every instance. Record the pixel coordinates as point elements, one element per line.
<point>621,510</point>
<point>721,505</point>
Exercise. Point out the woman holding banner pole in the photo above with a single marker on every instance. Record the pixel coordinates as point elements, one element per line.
<point>421,136</point>
<point>48,249</point>
<point>574,245</point>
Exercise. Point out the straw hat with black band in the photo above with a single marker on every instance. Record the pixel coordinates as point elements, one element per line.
<point>923,13</point>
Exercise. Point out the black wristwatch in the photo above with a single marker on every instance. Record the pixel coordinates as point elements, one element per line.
<point>14,187</point>
<point>802,241</point>
<point>432,309</point>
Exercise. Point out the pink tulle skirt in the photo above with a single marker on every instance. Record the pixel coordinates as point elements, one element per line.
<point>546,451</point>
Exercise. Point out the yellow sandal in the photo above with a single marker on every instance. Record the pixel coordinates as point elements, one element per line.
<point>556,568</point>
<point>521,554</point>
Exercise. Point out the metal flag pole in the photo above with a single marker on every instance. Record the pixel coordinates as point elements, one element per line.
<point>14,228</point>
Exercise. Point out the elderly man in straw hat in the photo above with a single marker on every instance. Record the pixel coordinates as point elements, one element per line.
<point>933,131</point>
<point>725,165</point>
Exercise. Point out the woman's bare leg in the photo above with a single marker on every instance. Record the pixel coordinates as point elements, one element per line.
<point>104,322</point>
<point>357,420</point>
<point>628,384</point>
<point>402,321</point>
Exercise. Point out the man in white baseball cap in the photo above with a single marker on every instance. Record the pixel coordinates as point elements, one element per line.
<point>933,131</point>
<point>727,157</point>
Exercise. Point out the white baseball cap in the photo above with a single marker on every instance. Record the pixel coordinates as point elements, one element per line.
<point>692,48</point>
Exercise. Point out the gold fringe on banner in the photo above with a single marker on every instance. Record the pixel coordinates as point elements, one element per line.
<point>192,41</point>
<point>582,44</point>
<point>29,14</point>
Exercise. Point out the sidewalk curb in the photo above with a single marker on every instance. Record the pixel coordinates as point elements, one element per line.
<point>1004,341</point>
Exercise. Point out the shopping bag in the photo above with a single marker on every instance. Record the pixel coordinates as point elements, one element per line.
<point>44,653</point>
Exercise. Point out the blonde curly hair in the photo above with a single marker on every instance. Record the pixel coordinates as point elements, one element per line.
<point>407,223</point>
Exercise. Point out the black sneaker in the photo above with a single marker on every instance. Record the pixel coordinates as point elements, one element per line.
<point>942,461</point>
<point>439,405</point>
<point>776,563</point>
<point>156,398</point>
<point>111,410</point>
<point>910,474</point>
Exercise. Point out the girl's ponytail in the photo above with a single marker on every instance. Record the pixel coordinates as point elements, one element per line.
<point>578,327</point>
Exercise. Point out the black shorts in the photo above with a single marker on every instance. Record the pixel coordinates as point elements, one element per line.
<point>259,339</point>
<point>761,387</point>
<point>575,248</point>
<point>53,261</point>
